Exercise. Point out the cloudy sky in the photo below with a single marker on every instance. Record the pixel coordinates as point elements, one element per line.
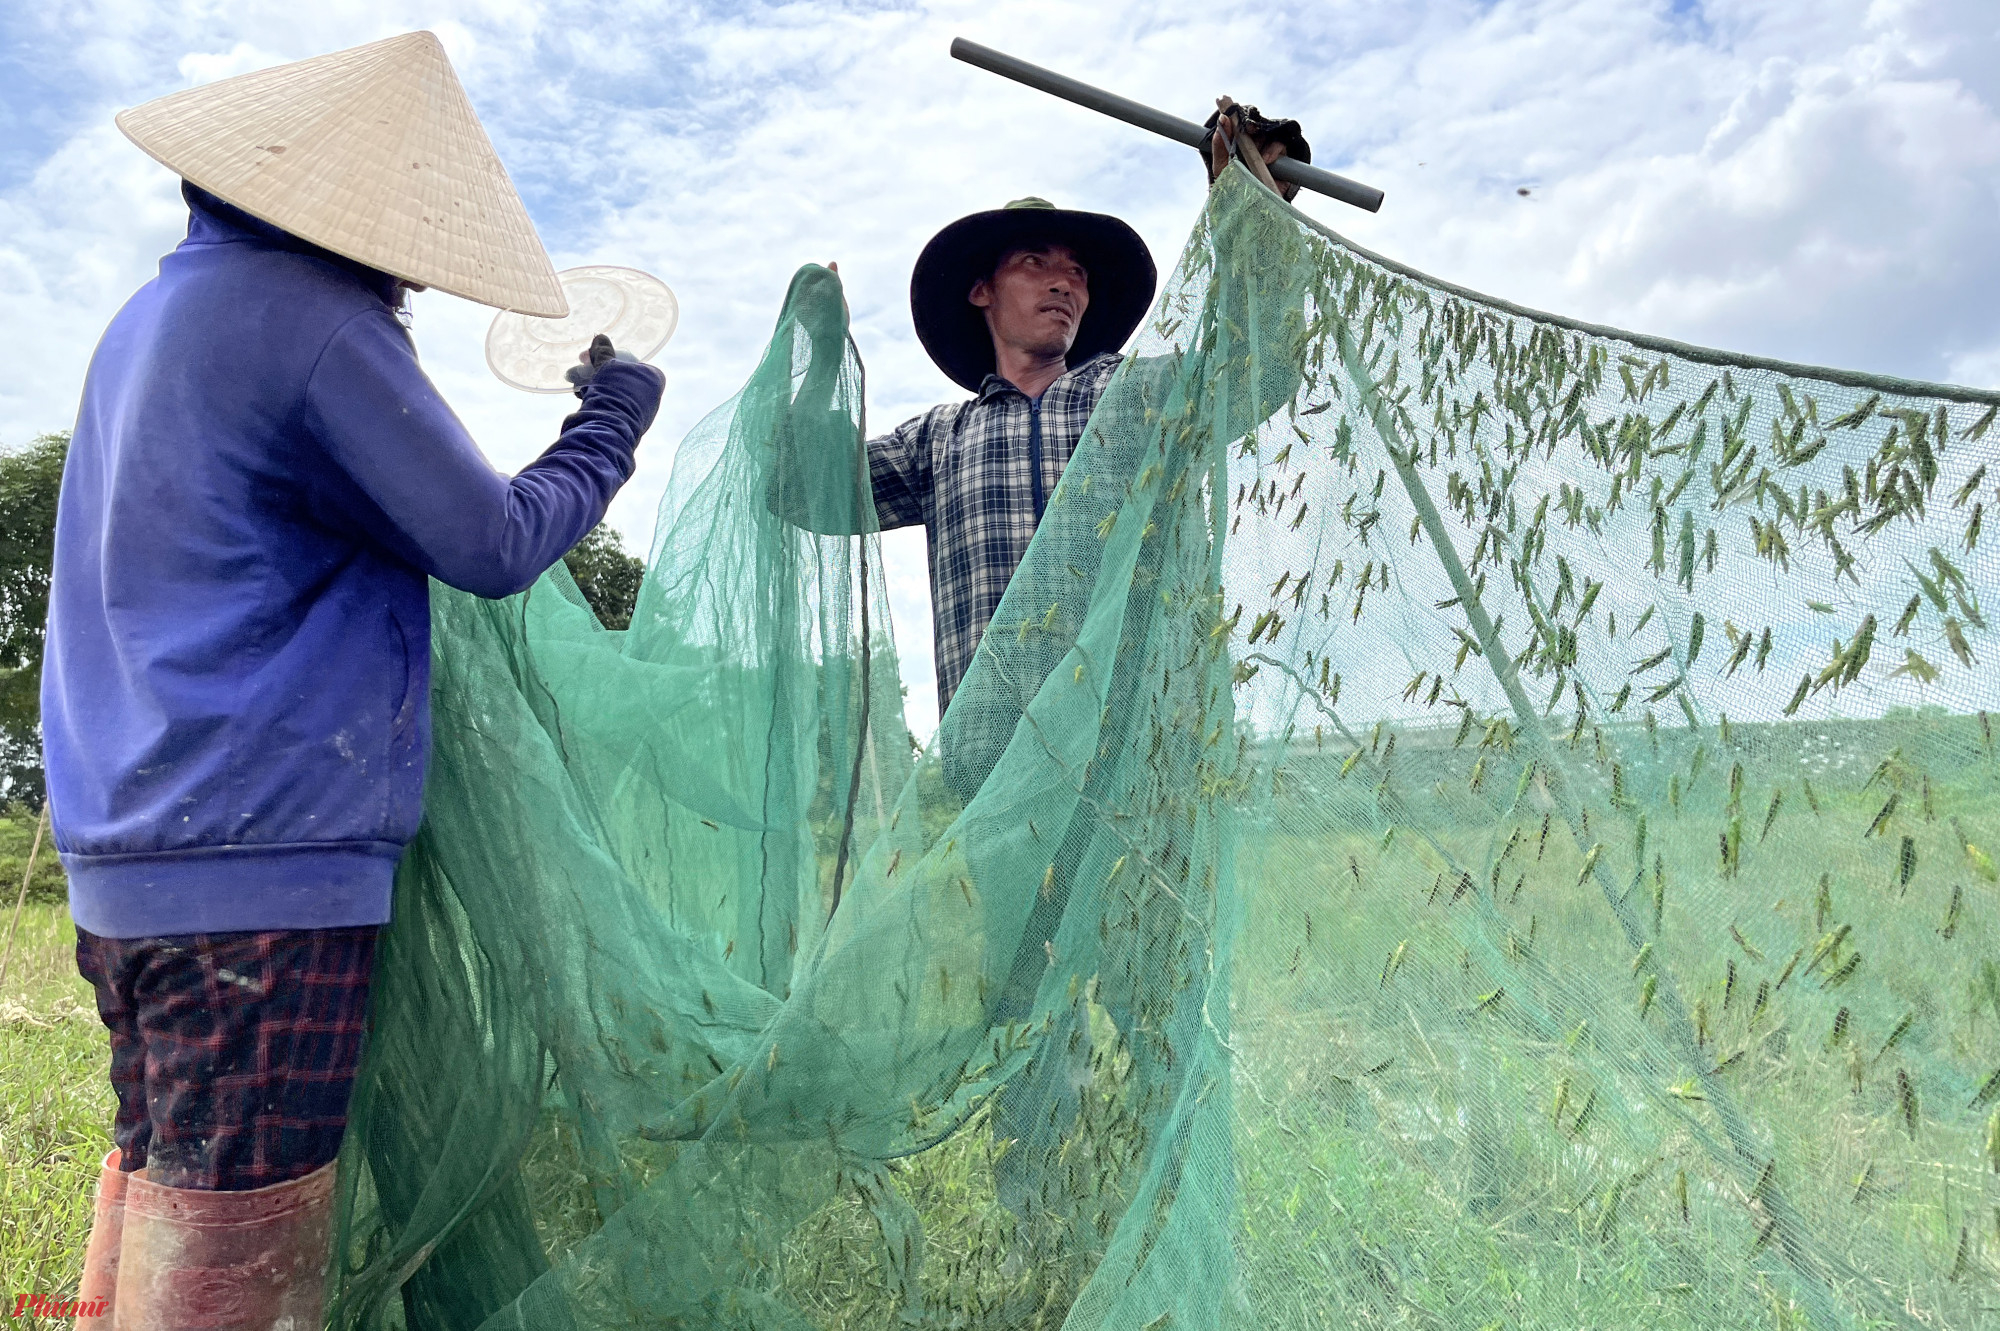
<point>1817,180</point>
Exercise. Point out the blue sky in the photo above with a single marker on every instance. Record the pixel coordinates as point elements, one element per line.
<point>1812,179</point>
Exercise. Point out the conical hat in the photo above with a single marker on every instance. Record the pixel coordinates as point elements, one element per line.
<point>373,153</point>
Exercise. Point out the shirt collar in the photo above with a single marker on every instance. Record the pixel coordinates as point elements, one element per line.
<point>993,385</point>
<point>212,221</point>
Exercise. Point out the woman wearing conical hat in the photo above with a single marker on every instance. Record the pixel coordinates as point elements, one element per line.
<point>235,693</point>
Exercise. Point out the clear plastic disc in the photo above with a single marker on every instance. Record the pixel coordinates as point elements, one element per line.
<point>636,310</point>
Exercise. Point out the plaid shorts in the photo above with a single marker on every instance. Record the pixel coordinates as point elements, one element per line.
<point>232,1055</point>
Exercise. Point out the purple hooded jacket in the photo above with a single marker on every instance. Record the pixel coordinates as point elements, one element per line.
<point>235,707</point>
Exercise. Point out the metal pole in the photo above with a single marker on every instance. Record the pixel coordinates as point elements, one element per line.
<point>1145,117</point>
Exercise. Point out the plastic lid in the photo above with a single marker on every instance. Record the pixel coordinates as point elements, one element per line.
<point>636,310</point>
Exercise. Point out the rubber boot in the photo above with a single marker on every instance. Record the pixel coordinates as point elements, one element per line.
<point>225,1261</point>
<point>100,1258</point>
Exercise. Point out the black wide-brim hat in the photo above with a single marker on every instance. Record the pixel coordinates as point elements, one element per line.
<point>953,329</point>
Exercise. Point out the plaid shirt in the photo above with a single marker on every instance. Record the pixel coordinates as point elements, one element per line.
<point>978,474</point>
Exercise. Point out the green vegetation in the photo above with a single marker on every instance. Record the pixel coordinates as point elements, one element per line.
<point>18,829</point>
<point>55,1105</point>
<point>1435,1162</point>
<point>1552,1156</point>
<point>1410,1155</point>
<point>29,480</point>
<point>608,577</point>
<point>980,1266</point>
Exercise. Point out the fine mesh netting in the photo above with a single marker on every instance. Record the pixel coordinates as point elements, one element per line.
<point>1462,820</point>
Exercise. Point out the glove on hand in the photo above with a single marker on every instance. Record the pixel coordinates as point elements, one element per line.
<point>599,353</point>
<point>1240,131</point>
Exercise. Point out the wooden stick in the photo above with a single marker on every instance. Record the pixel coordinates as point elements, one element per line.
<point>7,955</point>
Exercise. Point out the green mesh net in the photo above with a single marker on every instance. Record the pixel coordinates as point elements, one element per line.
<point>1463,819</point>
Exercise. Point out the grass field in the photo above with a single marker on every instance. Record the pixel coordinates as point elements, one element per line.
<point>1473,1102</point>
<point>1466,1104</point>
<point>55,1107</point>
<point>1470,1102</point>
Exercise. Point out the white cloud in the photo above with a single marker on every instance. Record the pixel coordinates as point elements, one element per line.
<point>242,58</point>
<point>1810,179</point>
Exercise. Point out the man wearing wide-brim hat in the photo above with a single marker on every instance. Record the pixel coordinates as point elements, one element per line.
<point>235,692</point>
<point>1026,307</point>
